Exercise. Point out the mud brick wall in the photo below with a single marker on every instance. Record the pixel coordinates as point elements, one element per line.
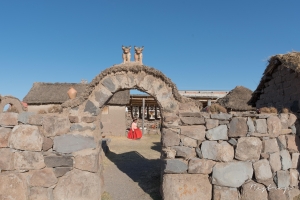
<point>281,91</point>
<point>231,156</point>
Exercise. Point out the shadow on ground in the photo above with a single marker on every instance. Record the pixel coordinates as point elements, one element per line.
<point>143,171</point>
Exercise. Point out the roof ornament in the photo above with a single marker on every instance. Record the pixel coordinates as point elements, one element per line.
<point>138,55</point>
<point>126,54</point>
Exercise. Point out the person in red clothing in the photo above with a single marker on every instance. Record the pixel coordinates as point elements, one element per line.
<point>134,133</point>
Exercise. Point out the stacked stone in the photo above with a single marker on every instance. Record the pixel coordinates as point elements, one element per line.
<point>231,156</point>
<point>45,157</point>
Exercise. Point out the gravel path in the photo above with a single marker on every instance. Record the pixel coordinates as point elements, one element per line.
<point>132,168</point>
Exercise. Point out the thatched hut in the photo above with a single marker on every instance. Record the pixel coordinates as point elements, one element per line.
<point>237,99</point>
<point>279,86</point>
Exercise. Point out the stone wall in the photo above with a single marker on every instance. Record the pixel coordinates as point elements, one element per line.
<point>114,121</point>
<point>231,156</point>
<point>281,90</point>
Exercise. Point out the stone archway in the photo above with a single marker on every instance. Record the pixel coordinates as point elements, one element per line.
<point>16,103</point>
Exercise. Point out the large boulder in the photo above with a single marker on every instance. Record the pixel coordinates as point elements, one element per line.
<point>217,151</point>
<point>13,187</point>
<point>238,127</point>
<point>248,148</point>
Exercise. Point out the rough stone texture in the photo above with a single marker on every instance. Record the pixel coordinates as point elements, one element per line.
<point>184,152</point>
<point>24,117</point>
<point>292,119</point>
<point>12,187</point>
<point>295,160</point>
<point>91,108</point>
<point>175,166</point>
<point>225,193</point>
<point>186,186</point>
<point>78,185</point>
<point>282,179</point>
<point>192,120</point>
<point>6,159</point>
<point>102,96</point>
<point>87,160</point>
<point>168,153</point>
<point>284,118</point>
<point>286,161</point>
<point>262,170</point>
<point>8,119</point>
<point>277,194</point>
<point>275,162</point>
<point>232,141</point>
<point>211,123</point>
<point>87,119</point>
<point>189,142</point>
<point>218,133</point>
<point>217,151</point>
<point>264,156</point>
<point>292,193</point>
<point>27,160</point>
<point>58,161</point>
<point>195,132</point>
<point>221,116</point>
<point>274,126</point>
<point>293,143</point>
<point>26,137</point>
<point>281,142</point>
<point>238,127</point>
<point>40,193</point>
<point>286,131</point>
<point>36,119</point>
<point>43,178</point>
<point>4,135</point>
<point>200,166</point>
<point>232,174</point>
<point>53,125</point>
<point>270,146</point>
<point>74,119</point>
<point>223,122</point>
<point>170,137</point>
<point>294,175</point>
<point>47,144</point>
<point>248,148</point>
<point>82,127</point>
<point>70,143</point>
<point>261,126</point>
<point>252,190</point>
<point>60,171</point>
<point>250,124</point>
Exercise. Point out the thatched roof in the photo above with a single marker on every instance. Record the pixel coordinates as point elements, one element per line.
<point>52,93</point>
<point>289,60</point>
<point>237,99</point>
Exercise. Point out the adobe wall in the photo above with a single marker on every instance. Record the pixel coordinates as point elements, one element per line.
<point>281,91</point>
<point>114,121</point>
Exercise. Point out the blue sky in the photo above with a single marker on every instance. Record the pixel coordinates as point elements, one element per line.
<point>199,45</point>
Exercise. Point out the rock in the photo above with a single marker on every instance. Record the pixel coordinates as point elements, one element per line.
<point>53,126</point>
<point>184,152</point>
<point>26,137</point>
<point>24,117</point>
<point>294,174</point>
<point>12,187</point>
<point>26,160</point>
<point>274,126</point>
<point>286,131</point>
<point>238,127</point>
<point>277,194</point>
<point>275,162</point>
<point>270,146</point>
<point>170,137</point>
<point>198,152</point>
<point>4,135</point>
<point>221,116</point>
<point>232,141</point>
<point>248,148</point>
<point>87,119</point>
<point>47,144</point>
<point>82,127</point>
<point>264,156</point>
<point>6,159</point>
<point>211,123</point>
<point>168,153</point>
<point>78,185</point>
<point>286,161</point>
<point>225,193</point>
<point>262,170</point>
<point>291,193</point>
<point>43,178</point>
<point>87,160</point>
<point>218,133</point>
<point>294,130</point>
<point>295,160</point>
<point>281,142</point>
<point>60,171</point>
<point>186,186</point>
<point>252,190</point>
<point>223,122</point>
<point>183,113</point>
<point>175,166</point>
<point>40,193</point>
<point>58,161</point>
<point>189,142</point>
<point>70,143</point>
<point>261,126</point>
<point>250,124</point>
<point>284,118</point>
<point>195,132</point>
<point>74,119</point>
<point>36,119</point>
<point>282,179</point>
<point>200,166</point>
<point>217,151</point>
<point>91,108</point>
<point>192,120</point>
<point>293,143</point>
<point>292,119</point>
<point>109,84</point>
<point>8,119</point>
<point>232,174</point>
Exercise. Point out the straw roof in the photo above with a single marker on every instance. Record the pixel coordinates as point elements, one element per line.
<point>237,99</point>
<point>52,93</point>
<point>290,61</point>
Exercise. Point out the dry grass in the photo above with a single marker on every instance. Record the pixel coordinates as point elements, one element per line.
<point>285,110</point>
<point>42,111</point>
<point>55,109</point>
<point>216,108</point>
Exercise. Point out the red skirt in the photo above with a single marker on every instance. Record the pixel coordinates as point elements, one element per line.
<point>136,134</point>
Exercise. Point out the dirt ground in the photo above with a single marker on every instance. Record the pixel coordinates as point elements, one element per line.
<point>132,169</point>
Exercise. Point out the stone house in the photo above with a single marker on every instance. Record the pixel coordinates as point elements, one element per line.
<point>279,85</point>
